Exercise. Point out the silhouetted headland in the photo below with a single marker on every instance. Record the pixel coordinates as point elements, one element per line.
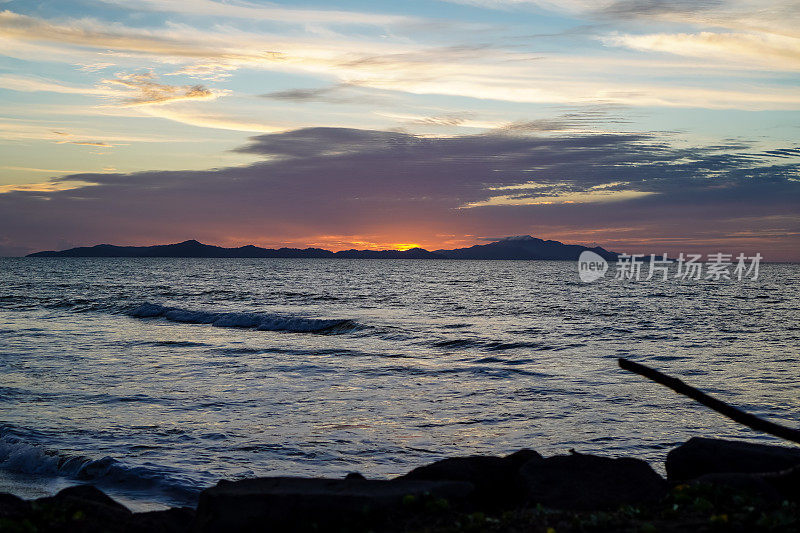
<point>515,248</point>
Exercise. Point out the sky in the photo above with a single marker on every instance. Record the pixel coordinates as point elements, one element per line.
<point>643,126</point>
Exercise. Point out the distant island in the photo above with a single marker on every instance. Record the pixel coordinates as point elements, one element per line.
<point>522,247</point>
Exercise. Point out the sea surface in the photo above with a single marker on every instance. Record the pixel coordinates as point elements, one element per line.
<point>154,378</point>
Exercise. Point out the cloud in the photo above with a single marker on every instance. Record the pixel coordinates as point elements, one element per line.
<point>93,67</point>
<point>761,51</point>
<point>47,187</point>
<point>764,35</point>
<point>38,84</point>
<point>657,8</point>
<point>147,92</point>
<point>446,120</point>
<point>252,11</point>
<point>341,93</point>
<point>474,71</point>
<point>605,193</point>
<point>395,187</point>
<point>52,130</point>
<point>136,89</point>
<point>44,170</point>
<point>755,16</point>
<point>89,143</point>
<point>775,16</point>
<point>205,119</point>
<point>302,95</point>
<point>207,71</point>
<point>753,26</point>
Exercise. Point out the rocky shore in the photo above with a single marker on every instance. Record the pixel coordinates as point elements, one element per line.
<point>711,485</point>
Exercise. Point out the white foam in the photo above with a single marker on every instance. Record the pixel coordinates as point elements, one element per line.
<point>22,458</point>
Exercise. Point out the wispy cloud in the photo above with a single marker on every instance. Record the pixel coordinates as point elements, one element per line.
<point>42,170</point>
<point>137,89</point>
<point>207,71</point>
<point>50,130</point>
<point>205,119</point>
<point>145,91</point>
<point>341,93</point>
<point>253,11</point>
<point>35,189</point>
<point>37,84</point>
<point>93,67</point>
<point>761,51</point>
<point>479,72</point>
<point>758,33</point>
<point>447,120</point>
<point>774,17</point>
<point>604,193</point>
<point>100,144</point>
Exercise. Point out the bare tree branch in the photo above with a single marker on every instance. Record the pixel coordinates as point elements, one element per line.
<point>719,406</point>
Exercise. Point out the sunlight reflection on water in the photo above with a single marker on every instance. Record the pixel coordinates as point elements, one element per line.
<point>437,358</point>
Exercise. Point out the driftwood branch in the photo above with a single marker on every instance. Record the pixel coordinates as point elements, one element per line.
<point>721,407</point>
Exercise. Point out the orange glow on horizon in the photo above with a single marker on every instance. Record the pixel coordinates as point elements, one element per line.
<point>619,239</point>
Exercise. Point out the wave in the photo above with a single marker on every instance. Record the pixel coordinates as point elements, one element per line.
<point>488,345</point>
<point>260,321</point>
<point>78,305</point>
<point>19,456</point>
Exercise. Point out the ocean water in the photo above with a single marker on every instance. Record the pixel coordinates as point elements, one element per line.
<point>154,378</point>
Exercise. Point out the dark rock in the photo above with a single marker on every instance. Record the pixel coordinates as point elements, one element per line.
<point>520,457</point>
<point>303,504</point>
<point>82,508</point>
<point>174,520</point>
<point>495,479</point>
<point>85,495</point>
<point>753,484</point>
<point>483,471</point>
<point>770,486</point>
<point>587,482</point>
<point>700,456</point>
<point>12,506</point>
<point>787,483</point>
<point>354,475</point>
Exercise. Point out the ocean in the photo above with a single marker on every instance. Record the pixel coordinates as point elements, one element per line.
<point>154,378</point>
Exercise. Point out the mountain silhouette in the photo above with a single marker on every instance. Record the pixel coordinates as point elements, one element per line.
<point>525,247</point>
<point>518,248</point>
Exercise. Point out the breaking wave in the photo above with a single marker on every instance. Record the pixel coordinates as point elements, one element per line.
<point>260,321</point>
<point>18,455</point>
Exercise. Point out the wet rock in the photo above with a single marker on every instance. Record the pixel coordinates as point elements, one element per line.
<point>769,486</point>
<point>307,504</point>
<point>82,508</point>
<point>754,485</point>
<point>86,495</point>
<point>174,520</point>
<point>786,482</point>
<point>700,456</point>
<point>496,479</point>
<point>587,482</point>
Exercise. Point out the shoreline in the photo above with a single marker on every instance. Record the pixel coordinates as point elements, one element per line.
<point>711,484</point>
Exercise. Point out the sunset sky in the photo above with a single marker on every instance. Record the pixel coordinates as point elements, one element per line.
<point>643,126</point>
